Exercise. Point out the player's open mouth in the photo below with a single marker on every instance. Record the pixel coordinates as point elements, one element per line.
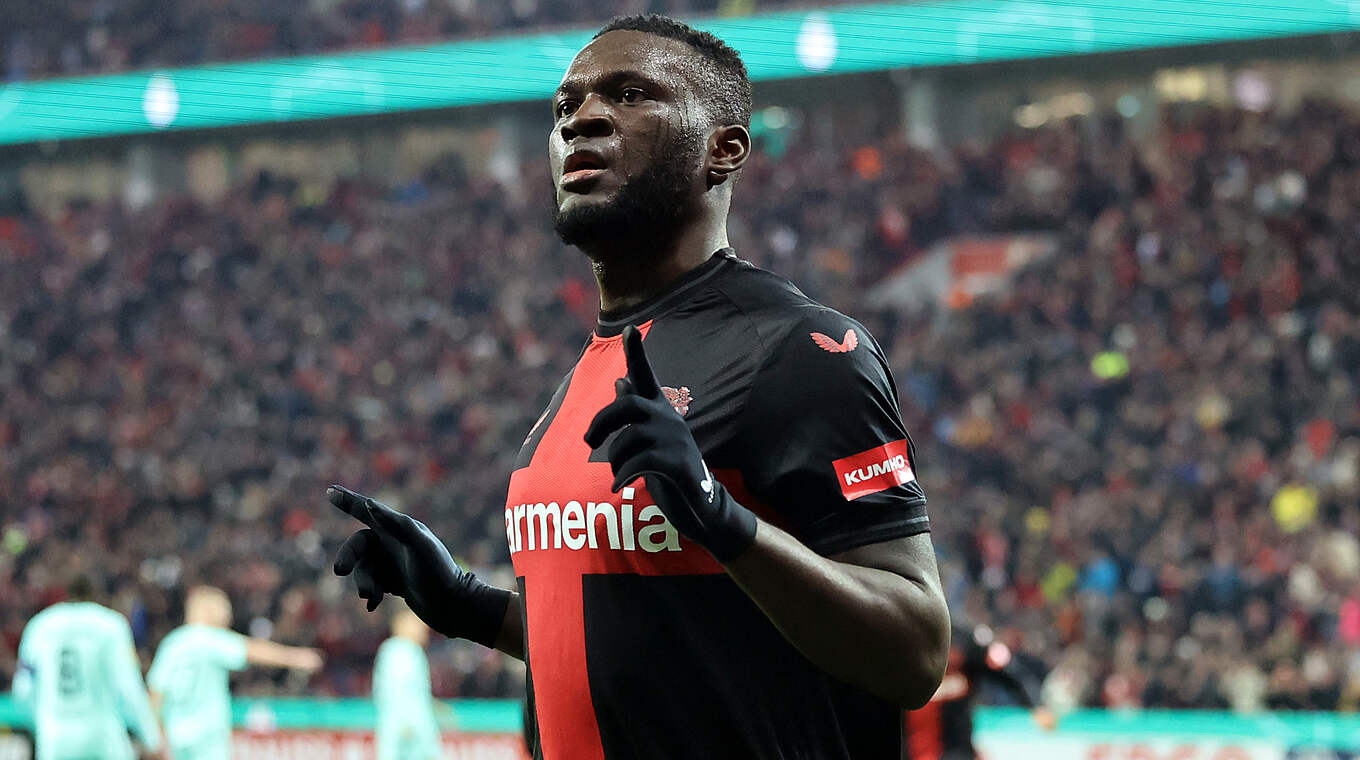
<point>580,178</point>
<point>581,168</point>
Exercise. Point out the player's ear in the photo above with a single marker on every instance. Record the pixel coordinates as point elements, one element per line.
<point>728,149</point>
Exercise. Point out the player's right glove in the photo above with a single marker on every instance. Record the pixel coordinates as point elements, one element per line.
<point>397,554</point>
<point>654,443</point>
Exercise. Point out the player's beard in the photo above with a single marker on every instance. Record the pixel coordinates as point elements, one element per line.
<point>654,205</point>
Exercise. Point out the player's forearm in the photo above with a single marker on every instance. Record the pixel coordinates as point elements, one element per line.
<point>511,638</point>
<point>876,629</point>
<point>267,653</point>
<point>274,655</point>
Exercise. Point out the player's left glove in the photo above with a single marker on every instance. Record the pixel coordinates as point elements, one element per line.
<point>655,443</point>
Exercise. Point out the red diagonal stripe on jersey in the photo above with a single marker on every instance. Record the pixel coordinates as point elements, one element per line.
<point>554,612</point>
<point>877,469</point>
<point>553,573</point>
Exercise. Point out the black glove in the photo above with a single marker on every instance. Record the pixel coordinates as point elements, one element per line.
<point>654,442</point>
<point>397,554</point>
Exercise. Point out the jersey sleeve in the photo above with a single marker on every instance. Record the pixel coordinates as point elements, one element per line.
<point>228,649</point>
<point>827,451</point>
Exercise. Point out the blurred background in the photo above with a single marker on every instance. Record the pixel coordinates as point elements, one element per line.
<point>251,248</point>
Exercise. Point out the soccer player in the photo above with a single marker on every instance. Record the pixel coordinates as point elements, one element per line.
<point>188,678</point>
<point>79,677</point>
<point>721,546</point>
<point>401,693</point>
<point>943,728</point>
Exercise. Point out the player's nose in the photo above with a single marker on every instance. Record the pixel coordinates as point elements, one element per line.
<point>591,119</point>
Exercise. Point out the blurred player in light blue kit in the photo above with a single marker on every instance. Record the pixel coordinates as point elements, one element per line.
<point>401,693</point>
<point>79,676</point>
<point>188,679</point>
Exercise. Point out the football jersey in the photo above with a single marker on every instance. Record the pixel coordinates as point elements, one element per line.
<point>638,644</point>
<point>79,674</point>
<point>401,693</point>
<point>191,672</point>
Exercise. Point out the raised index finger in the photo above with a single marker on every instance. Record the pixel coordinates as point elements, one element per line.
<point>639,369</point>
<point>353,504</point>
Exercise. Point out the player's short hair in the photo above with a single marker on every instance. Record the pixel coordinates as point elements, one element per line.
<point>726,90</point>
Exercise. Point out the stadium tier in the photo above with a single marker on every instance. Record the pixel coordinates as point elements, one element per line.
<point>774,45</point>
<point>71,39</point>
<point>74,38</point>
<point>1122,308</point>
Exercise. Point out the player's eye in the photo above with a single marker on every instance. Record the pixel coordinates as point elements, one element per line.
<point>565,108</point>
<point>632,95</point>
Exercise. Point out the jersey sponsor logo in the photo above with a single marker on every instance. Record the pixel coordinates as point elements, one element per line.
<point>849,343</point>
<point>877,469</point>
<point>679,398</point>
<point>574,525</point>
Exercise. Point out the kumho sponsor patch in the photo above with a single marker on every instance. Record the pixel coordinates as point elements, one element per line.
<point>877,469</point>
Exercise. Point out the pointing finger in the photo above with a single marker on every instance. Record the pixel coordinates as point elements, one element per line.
<point>353,504</point>
<point>400,526</point>
<point>639,369</point>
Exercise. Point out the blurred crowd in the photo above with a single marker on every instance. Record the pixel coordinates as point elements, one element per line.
<point>1142,459</point>
<point>76,37</point>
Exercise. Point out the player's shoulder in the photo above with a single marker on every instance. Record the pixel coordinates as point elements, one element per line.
<point>84,620</point>
<point>758,292</point>
<point>779,310</point>
<point>211,636</point>
<point>87,613</point>
<point>395,654</point>
<point>111,620</point>
<point>176,638</point>
<point>40,620</point>
<point>102,613</point>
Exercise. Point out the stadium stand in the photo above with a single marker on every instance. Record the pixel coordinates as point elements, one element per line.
<point>72,38</point>
<point>181,382</point>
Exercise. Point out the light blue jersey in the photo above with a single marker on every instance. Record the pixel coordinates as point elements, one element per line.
<point>401,693</point>
<point>80,678</point>
<point>191,674</point>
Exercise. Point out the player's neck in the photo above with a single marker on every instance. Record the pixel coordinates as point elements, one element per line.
<point>632,272</point>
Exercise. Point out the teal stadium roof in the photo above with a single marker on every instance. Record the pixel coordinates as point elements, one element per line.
<point>779,45</point>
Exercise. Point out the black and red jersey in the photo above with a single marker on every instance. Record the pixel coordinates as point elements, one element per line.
<point>943,729</point>
<point>638,644</point>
